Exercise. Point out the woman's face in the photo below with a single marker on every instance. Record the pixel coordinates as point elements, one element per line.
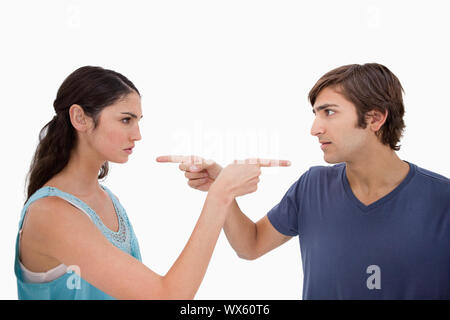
<point>117,129</point>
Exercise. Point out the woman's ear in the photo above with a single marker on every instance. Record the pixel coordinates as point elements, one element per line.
<point>78,118</point>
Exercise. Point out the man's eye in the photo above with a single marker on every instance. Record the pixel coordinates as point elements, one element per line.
<point>126,120</point>
<point>327,112</point>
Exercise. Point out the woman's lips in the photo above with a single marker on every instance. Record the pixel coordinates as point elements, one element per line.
<point>129,150</point>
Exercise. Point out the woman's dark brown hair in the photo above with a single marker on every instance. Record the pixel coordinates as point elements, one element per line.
<point>369,87</point>
<point>92,88</point>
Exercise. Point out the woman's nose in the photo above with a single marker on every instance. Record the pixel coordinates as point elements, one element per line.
<point>136,134</point>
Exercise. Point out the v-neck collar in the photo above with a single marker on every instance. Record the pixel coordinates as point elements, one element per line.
<point>382,200</point>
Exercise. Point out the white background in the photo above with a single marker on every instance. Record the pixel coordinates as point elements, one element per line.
<point>221,79</point>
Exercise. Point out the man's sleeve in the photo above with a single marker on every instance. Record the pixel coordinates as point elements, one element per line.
<point>285,215</point>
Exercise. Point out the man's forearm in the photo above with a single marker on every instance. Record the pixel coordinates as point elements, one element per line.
<point>241,232</point>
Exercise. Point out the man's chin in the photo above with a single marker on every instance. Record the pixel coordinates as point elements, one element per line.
<point>331,160</point>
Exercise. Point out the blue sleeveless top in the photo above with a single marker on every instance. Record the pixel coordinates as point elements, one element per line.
<point>71,285</point>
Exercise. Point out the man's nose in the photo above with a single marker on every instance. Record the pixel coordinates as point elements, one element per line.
<point>317,127</point>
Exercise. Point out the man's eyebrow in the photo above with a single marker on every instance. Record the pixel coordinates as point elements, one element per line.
<point>324,106</point>
<point>131,114</point>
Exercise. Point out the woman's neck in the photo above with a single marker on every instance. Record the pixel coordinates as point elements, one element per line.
<point>79,176</point>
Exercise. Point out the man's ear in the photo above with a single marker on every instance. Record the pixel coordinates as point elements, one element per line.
<point>375,119</point>
<point>78,118</point>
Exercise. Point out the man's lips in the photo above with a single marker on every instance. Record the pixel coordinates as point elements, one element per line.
<point>324,144</point>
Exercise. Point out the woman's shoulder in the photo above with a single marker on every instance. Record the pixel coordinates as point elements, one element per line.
<point>47,226</point>
<point>46,203</point>
<point>49,214</point>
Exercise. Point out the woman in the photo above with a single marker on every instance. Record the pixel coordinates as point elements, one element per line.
<point>75,240</point>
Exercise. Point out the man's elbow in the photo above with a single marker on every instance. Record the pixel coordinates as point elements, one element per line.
<point>247,255</point>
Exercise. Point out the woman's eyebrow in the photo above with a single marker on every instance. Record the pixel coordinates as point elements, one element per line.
<point>131,114</point>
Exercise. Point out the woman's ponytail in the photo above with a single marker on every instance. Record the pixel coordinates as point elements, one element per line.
<point>52,154</point>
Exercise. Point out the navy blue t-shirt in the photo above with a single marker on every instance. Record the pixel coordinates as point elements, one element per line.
<point>398,247</point>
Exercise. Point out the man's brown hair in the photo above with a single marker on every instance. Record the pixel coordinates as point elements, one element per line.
<point>370,86</point>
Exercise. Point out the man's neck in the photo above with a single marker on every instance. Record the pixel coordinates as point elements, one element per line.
<point>376,173</point>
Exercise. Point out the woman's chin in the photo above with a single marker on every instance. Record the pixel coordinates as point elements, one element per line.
<point>119,160</point>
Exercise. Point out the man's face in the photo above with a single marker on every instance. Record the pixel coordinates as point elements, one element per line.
<point>335,125</point>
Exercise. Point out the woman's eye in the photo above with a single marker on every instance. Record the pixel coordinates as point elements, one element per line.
<point>126,120</point>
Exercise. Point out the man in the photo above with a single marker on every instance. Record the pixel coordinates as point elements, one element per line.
<point>372,226</point>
